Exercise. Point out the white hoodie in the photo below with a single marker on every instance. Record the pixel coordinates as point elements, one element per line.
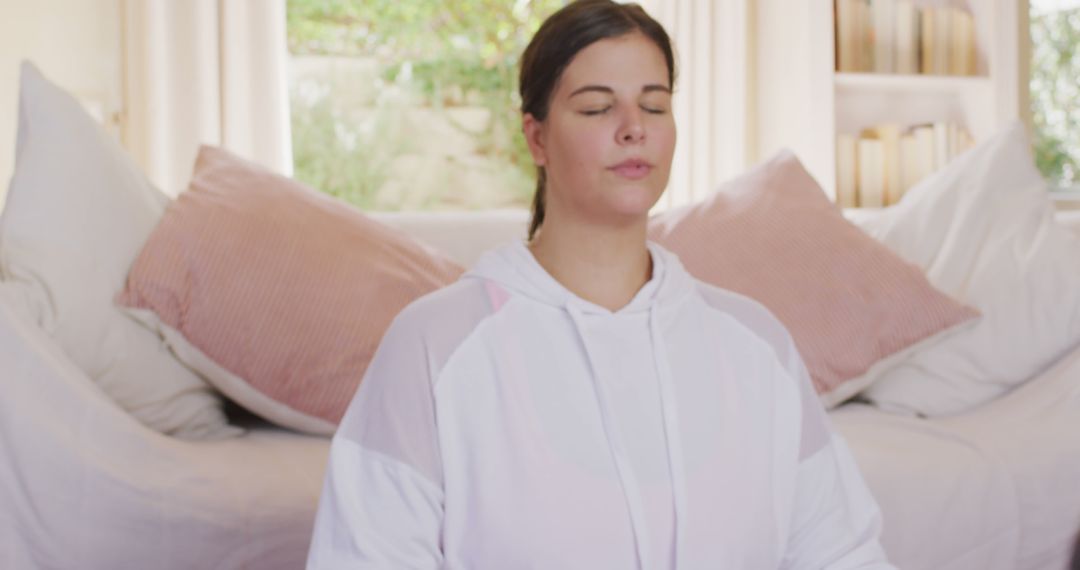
<point>505,423</point>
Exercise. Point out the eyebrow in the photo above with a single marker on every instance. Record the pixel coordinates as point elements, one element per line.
<point>609,91</point>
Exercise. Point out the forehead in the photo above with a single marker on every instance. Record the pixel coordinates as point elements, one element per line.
<point>631,60</point>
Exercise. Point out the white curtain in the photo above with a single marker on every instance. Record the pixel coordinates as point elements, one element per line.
<point>712,92</point>
<point>204,72</point>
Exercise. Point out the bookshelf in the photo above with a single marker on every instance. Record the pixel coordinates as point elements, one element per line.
<point>909,83</point>
<point>805,103</point>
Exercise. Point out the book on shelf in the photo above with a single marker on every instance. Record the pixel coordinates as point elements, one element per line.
<point>889,135</point>
<point>910,161</point>
<point>907,37</point>
<point>927,24</point>
<point>962,50</point>
<point>942,29</point>
<point>845,35</point>
<point>898,36</point>
<point>876,167</point>
<point>883,13</point>
<point>923,159</point>
<point>846,170</point>
<point>943,144</point>
<point>871,177</point>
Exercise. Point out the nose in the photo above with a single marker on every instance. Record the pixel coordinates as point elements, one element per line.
<point>631,131</point>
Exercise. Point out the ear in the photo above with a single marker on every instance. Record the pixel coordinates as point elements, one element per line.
<point>534,137</point>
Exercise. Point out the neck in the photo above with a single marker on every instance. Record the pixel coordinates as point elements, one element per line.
<point>605,265</point>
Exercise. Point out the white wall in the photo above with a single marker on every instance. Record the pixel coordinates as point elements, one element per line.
<point>75,43</point>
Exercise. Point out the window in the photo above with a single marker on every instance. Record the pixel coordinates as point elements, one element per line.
<point>411,105</point>
<point>1055,89</point>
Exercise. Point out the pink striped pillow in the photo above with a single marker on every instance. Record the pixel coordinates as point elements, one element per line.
<point>276,293</point>
<point>852,306</point>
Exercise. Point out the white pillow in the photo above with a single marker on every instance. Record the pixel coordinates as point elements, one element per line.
<point>77,212</point>
<point>983,229</point>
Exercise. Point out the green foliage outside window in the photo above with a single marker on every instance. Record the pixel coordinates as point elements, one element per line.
<point>1055,93</point>
<point>428,58</point>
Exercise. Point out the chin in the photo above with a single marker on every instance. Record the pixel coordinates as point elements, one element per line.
<point>634,200</point>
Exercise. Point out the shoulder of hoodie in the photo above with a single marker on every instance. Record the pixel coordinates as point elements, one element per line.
<point>760,322</point>
<point>754,317</point>
<point>444,317</point>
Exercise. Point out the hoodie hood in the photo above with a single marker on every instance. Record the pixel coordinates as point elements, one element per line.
<point>514,268</point>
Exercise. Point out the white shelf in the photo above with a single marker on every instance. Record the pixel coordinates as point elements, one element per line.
<point>804,103</point>
<point>911,83</point>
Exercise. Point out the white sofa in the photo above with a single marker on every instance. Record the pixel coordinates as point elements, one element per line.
<point>83,485</point>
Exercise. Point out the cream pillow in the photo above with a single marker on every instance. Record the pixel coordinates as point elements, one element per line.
<point>77,212</point>
<point>851,305</point>
<point>983,229</point>
<point>277,293</point>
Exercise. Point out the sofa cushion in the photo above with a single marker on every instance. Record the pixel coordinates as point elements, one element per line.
<point>76,214</point>
<point>277,293</point>
<point>849,303</point>
<point>983,229</point>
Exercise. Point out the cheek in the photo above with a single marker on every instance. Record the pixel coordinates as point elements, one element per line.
<point>664,138</point>
<point>581,148</point>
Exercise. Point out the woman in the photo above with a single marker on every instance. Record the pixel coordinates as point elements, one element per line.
<point>577,400</point>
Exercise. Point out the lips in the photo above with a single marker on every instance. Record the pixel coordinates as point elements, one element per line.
<point>633,169</point>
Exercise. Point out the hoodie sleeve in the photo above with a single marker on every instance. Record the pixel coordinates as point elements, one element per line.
<point>382,498</point>
<point>836,523</point>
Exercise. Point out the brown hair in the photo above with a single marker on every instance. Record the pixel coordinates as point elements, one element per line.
<point>560,38</point>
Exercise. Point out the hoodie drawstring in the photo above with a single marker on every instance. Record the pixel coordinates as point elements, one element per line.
<point>669,412</point>
<point>672,432</point>
<point>627,479</point>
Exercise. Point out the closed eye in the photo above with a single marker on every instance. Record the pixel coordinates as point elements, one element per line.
<point>594,112</point>
<point>654,110</point>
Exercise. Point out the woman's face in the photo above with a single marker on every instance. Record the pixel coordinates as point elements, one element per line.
<point>609,135</point>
